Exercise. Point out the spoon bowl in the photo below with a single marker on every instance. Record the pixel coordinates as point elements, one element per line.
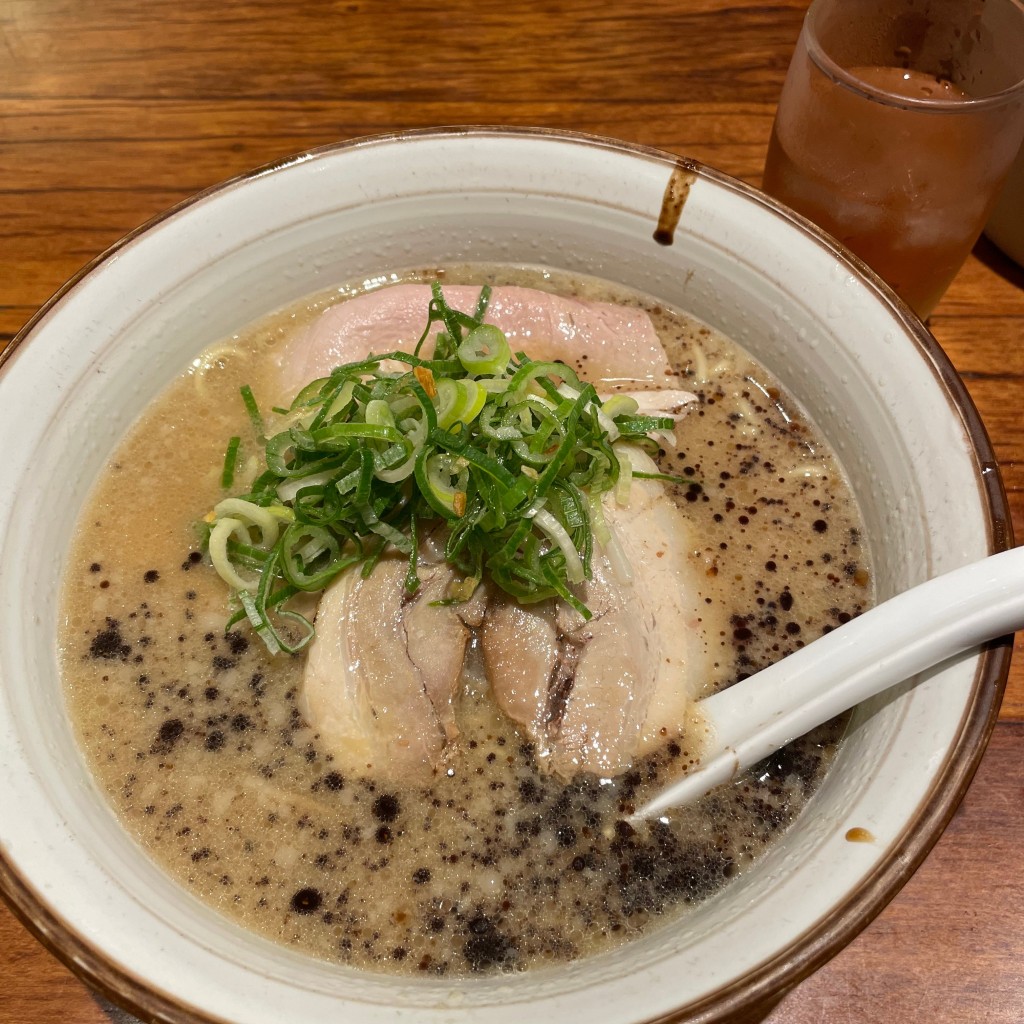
<point>895,640</point>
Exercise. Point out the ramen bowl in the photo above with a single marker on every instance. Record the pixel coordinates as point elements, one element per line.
<point>840,342</point>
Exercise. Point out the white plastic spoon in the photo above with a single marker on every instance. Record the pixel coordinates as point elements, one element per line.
<point>886,645</point>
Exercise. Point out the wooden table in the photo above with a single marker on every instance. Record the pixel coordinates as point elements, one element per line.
<point>112,110</point>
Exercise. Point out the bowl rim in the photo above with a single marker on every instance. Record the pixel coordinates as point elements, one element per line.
<point>762,988</point>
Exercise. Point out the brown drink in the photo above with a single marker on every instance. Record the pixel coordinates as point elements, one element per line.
<point>900,164</point>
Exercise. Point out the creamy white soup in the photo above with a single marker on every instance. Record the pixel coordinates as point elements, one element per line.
<point>200,739</point>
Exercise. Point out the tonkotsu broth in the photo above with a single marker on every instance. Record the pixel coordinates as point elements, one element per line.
<point>197,740</point>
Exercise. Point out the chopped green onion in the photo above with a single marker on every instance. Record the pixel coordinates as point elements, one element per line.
<point>558,533</point>
<point>482,303</point>
<point>512,455</point>
<point>445,477</point>
<point>253,410</point>
<point>623,485</point>
<point>412,580</point>
<point>620,405</point>
<point>670,478</point>
<point>485,352</point>
<point>227,476</point>
<point>645,424</point>
<point>218,547</point>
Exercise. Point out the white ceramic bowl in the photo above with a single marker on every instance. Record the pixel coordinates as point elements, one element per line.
<point>867,372</point>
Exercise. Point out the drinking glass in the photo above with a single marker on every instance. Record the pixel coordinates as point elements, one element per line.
<point>1006,225</point>
<point>896,126</point>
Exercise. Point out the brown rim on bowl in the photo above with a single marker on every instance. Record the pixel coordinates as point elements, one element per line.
<point>763,987</point>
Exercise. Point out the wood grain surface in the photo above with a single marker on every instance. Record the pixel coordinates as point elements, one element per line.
<point>112,110</point>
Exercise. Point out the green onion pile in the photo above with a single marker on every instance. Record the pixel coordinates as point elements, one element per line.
<point>511,454</point>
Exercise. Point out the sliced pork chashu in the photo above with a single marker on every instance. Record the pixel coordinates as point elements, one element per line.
<point>382,674</point>
<point>602,342</point>
<point>595,694</point>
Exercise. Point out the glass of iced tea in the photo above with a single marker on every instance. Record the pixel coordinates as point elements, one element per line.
<point>897,124</point>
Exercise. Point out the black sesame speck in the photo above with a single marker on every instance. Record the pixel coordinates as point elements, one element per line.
<point>109,643</point>
<point>487,947</point>
<point>306,901</point>
<point>194,558</point>
<point>168,734</point>
<point>386,807</point>
<point>530,792</point>
<point>237,642</point>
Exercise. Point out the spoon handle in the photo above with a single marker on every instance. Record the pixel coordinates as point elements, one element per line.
<point>886,645</point>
